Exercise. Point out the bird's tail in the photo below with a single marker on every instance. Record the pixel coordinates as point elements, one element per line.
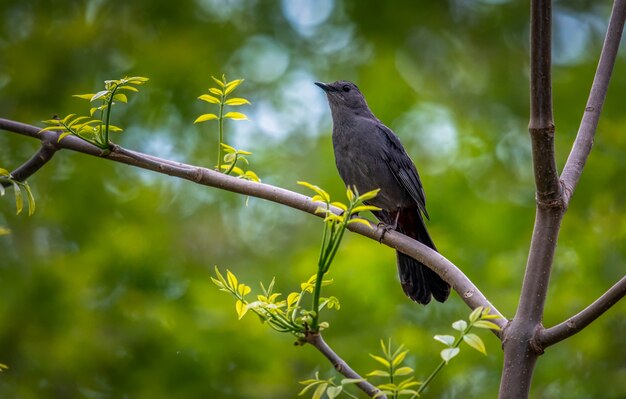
<point>418,281</point>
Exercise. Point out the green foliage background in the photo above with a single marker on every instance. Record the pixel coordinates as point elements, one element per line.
<point>105,291</point>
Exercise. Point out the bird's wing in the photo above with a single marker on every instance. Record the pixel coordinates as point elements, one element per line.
<point>403,168</point>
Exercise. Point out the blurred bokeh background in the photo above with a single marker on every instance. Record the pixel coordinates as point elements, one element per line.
<point>105,291</point>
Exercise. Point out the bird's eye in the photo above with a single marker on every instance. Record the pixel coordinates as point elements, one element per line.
<point>346,88</point>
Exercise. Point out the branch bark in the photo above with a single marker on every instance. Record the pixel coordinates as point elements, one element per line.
<point>576,323</point>
<point>524,338</point>
<point>340,365</point>
<point>468,292</point>
<point>586,132</point>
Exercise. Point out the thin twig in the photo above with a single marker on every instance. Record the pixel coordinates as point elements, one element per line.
<point>587,130</point>
<point>468,292</point>
<point>340,365</point>
<point>581,320</point>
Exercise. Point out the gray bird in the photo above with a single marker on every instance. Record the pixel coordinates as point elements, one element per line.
<point>368,156</point>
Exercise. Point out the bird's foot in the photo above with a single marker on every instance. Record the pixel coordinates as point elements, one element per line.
<point>384,229</point>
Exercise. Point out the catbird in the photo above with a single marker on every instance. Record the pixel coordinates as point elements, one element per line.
<point>368,156</point>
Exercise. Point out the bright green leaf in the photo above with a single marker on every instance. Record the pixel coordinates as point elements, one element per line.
<point>486,324</point>
<point>475,342</point>
<point>205,117</point>
<point>333,392</point>
<point>319,391</point>
<point>459,325</point>
<point>379,373</point>
<point>219,82</point>
<point>448,353</point>
<point>237,101</point>
<point>362,221</point>
<point>445,339</point>
<point>381,360</point>
<point>230,86</point>
<point>475,315</point>
<point>369,195</point>
<point>232,280</point>
<point>399,358</point>
<point>363,208</point>
<point>215,91</point>
<point>403,371</point>
<point>238,116</point>
<point>85,96</point>
<point>121,97</point>
<point>241,309</point>
<point>209,99</point>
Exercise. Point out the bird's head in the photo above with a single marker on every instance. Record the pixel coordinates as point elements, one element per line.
<point>345,96</point>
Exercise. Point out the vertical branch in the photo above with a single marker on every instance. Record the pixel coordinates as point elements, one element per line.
<point>520,353</point>
<point>586,132</point>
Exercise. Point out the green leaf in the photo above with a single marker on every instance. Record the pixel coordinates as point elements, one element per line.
<point>369,195</point>
<point>349,194</point>
<point>379,373</point>
<point>31,199</point>
<point>215,91</point>
<point>4,231</point>
<point>475,342</point>
<point>363,208</point>
<point>250,175</point>
<point>362,221</point>
<point>448,353</point>
<point>236,101</point>
<point>230,86</point>
<point>486,324</point>
<point>99,95</point>
<point>209,99</point>
<point>219,82</point>
<point>399,358</point>
<point>241,309</point>
<point>232,280</point>
<point>333,392</point>
<point>381,360</point>
<point>19,202</point>
<point>121,97</point>
<point>459,325</point>
<point>243,289</point>
<point>130,88</point>
<point>402,371</point>
<point>445,339</point>
<point>339,205</point>
<point>323,194</point>
<point>136,80</point>
<point>84,96</point>
<point>475,315</point>
<point>292,299</point>
<point>4,172</point>
<point>319,391</point>
<point>205,117</point>
<point>238,116</point>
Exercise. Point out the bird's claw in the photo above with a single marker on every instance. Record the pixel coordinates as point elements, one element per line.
<point>385,228</point>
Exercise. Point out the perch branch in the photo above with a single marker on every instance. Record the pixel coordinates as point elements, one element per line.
<point>468,292</point>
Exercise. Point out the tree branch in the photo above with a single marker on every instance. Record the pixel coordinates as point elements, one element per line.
<point>36,162</point>
<point>581,320</point>
<point>340,365</point>
<point>541,125</point>
<point>586,132</point>
<point>468,292</point>
<point>520,356</point>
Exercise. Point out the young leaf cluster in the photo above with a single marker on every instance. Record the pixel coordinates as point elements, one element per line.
<point>288,314</point>
<point>18,186</point>
<point>479,318</point>
<point>334,228</point>
<point>96,130</point>
<point>281,314</point>
<point>219,95</point>
<point>398,383</point>
<point>328,387</point>
<point>231,157</point>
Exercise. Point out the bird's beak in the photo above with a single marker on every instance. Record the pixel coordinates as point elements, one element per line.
<point>325,87</point>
